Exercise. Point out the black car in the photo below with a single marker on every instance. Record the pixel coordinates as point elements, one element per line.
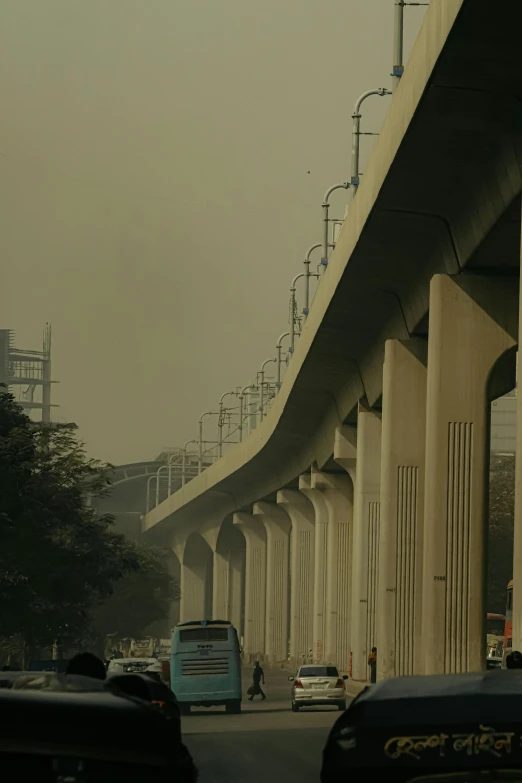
<point>65,727</point>
<point>410,727</point>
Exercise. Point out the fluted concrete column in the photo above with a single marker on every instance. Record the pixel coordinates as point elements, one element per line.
<point>473,322</point>
<point>236,582</point>
<point>337,491</point>
<point>277,526</point>
<point>220,587</point>
<point>402,508</point>
<point>255,583</point>
<point>301,513</point>
<point>320,567</point>
<point>193,593</point>
<point>365,540</point>
<point>227,587</point>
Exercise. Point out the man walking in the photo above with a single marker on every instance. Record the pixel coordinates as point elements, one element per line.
<point>258,677</point>
<point>372,663</point>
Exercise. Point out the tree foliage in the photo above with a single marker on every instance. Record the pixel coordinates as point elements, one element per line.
<point>139,599</point>
<point>59,558</point>
<point>500,533</point>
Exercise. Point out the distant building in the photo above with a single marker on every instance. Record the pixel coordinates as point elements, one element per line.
<point>27,374</point>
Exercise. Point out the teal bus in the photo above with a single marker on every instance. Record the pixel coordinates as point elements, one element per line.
<point>205,665</point>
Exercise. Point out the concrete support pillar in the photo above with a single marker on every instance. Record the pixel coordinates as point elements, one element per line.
<point>227,588</point>
<point>302,545</point>
<point>255,583</point>
<point>277,527</point>
<point>236,587</point>
<point>332,497</point>
<point>320,567</point>
<point>365,540</point>
<point>473,322</point>
<point>220,587</point>
<point>402,508</point>
<point>337,490</point>
<point>193,593</point>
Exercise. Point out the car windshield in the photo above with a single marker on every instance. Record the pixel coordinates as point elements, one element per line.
<point>318,671</point>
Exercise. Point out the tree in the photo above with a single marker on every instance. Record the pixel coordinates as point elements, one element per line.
<point>58,558</point>
<point>500,532</point>
<point>139,599</point>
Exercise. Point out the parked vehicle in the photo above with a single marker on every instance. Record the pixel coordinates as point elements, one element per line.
<point>135,666</point>
<point>317,685</point>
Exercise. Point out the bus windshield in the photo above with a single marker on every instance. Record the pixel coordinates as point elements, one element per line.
<point>204,635</point>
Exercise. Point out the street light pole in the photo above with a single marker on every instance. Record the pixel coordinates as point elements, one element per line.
<point>163,467</point>
<point>220,421</point>
<point>262,385</point>
<point>292,311</point>
<point>169,485</point>
<point>184,459</point>
<point>279,347</point>
<point>150,478</point>
<point>241,410</point>
<point>398,40</point>
<point>200,438</point>
<point>398,43</point>
<point>326,208</point>
<point>356,134</point>
<point>306,308</point>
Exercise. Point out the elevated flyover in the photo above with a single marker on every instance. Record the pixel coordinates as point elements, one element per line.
<point>427,261</point>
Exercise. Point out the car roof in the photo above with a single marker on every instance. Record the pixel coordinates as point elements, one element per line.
<point>318,666</point>
<point>124,661</point>
<point>50,721</point>
<point>445,686</point>
<point>493,695</point>
<point>203,623</point>
<point>50,681</point>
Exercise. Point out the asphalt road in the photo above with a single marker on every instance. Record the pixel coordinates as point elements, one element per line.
<point>266,743</point>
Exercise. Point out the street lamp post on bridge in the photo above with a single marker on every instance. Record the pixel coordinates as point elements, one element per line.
<point>356,134</point>
<point>326,208</point>
<point>220,420</point>
<point>306,308</point>
<point>262,387</point>
<point>184,460</point>
<point>200,437</point>
<point>307,276</point>
<point>279,348</point>
<point>246,389</point>
<point>398,41</point>
<point>150,478</point>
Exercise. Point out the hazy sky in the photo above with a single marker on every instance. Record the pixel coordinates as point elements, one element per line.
<point>155,194</point>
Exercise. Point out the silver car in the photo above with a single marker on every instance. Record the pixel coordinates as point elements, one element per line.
<point>318,685</point>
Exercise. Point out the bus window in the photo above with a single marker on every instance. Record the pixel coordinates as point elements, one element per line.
<point>204,635</point>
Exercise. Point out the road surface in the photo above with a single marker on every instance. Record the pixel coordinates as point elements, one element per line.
<point>267,743</point>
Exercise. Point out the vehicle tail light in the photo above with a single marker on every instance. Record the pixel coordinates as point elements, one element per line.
<point>339,683</point>
<point>298,684</point>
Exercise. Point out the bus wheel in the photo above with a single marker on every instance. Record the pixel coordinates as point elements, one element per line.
<point>233,707</point>
<point>184,708</point>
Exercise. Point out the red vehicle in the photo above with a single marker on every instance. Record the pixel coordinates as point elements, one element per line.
<point>508,626</point>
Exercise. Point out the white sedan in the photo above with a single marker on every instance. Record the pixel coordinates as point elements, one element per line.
<point>318,685</point>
